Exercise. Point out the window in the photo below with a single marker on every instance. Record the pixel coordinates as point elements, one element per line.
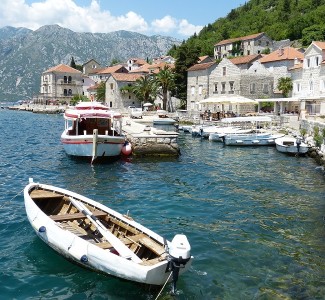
<point>231,87</point>
<point>224,71</point>
<point>65,92</point>
<point>111,86</point>
<point>69,79</point>
<point>223,88</point>
<point>265,88</point>
<point>267,43</point>
<point>248,52</point>
<point>252,88</point>
<point>317,61</point>
<point>200,90</point>
<point>65,79</point>
<point>215,88</point>
<point>69,92</point>
<point>311,86</point>
<point>308,62</point>
<point>192,90</point>
<point>197,79</point>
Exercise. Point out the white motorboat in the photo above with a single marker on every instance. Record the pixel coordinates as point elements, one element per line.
<point>291,145</point>
<point>92,130</point>
<point>101,239</point>
<point>251,139</point>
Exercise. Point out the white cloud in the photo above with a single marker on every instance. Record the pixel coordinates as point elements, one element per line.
<point>166,24</point>
<point>187,29</point>
<point>67,13</point>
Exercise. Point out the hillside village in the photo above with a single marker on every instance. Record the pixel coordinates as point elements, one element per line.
<point>237,79</point>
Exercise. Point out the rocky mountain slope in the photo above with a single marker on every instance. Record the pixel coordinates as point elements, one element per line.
<point>25,54</point>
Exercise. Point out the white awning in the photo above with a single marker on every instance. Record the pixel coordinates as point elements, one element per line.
<point>228,99</point>
<point>279,100</point>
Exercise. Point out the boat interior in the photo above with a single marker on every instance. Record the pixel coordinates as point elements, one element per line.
<point>60,209</point>
<point>87,126</point>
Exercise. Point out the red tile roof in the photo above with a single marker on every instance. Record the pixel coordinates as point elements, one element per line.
<point>126,76</point>
<point>63,69</point>
<point>245,59</point>
<point>112,69</point>
<point>243,38</point>
<point>287,53</point>
<point>320,45</point>
<point>199,67</point>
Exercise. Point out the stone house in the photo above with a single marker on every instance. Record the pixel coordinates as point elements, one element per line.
<point>308,79</point>
<point>198,81</point>
<point>242,46</point>
<point>103,74</point>
<point>114,97</point>
<point>91,66</point>
<point>60,84</point>
<point>135,63</point>
<point>280,62</point>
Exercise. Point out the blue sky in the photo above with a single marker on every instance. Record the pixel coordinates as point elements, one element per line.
<point>177,18</point>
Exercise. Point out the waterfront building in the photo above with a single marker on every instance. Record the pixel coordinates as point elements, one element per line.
<point>308,77</point>
<point>59,84</point>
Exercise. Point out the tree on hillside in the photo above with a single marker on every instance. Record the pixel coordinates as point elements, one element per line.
<point>285,85</point>
<point>186,57</point>
<point>72,63</point>
<point>165,80</point>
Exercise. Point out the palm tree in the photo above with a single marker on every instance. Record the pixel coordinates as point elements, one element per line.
<point>100,91</point>
<point>285,86</point>
<point>144,88</point>
<point>165,79</point>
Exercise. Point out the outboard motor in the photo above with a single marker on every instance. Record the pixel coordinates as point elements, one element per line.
<point>298,142</point>
<point>179,254</point>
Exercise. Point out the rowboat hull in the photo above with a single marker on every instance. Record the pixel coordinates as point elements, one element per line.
<point>63,231</point>
<point>289,145</point>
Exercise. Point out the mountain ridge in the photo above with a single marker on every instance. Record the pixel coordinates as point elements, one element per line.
<point>25,54</point>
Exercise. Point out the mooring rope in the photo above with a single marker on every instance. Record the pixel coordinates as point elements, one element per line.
<point>8,202</point>
<point>163,286</point>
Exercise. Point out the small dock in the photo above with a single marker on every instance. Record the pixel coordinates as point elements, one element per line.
<point>149,141</point>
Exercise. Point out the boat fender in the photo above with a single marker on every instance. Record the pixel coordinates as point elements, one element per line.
<point>84,258</point>
<point>127,149</point>
<point>42,229</point>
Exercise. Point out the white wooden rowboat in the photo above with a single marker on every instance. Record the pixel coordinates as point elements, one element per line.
<point>291,145</point>
<point>99,238</point>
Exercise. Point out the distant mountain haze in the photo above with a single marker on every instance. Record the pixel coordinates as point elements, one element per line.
<point>26,54</point>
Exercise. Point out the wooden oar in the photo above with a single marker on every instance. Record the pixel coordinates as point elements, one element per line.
<point>119,246</point>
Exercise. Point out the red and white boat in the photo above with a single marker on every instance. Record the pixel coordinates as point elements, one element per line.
<point>92,130</point>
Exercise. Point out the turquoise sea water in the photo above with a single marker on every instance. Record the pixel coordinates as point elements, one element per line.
<point>254,217</point>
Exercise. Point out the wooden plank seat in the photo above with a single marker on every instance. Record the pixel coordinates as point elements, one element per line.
<point>42,194</point>
<point>76,216</point>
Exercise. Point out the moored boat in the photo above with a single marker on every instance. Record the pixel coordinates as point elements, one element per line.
<point>251,139</point>
<point>163,118</point>
<point>291,145</point>
<point>92,130</point>
<point>99,238</point>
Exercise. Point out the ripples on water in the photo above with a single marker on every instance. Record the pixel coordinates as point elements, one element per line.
<point>254,217</point>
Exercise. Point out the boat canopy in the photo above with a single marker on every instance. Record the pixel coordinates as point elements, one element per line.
<point>90,110</point>
<point>73,114</point>
<point>247,119</point>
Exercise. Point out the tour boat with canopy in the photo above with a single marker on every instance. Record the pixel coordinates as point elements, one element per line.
<point>92,130</point>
